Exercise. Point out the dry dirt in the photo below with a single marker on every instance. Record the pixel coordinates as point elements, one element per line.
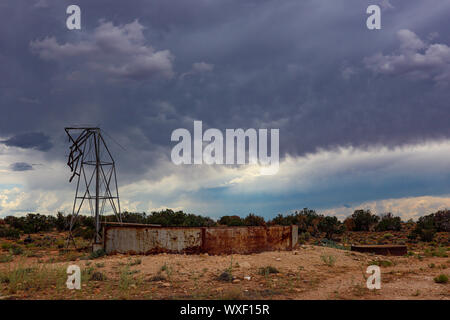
<point>311,272</point>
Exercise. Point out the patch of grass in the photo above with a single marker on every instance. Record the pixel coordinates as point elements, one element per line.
<point>97,254</point>
<point>16,250</point>
<point>6,258</point>
<point>329,260</point>
<point>442,278</point>
<point>6,246</point>
<point>99,265</point>
<point>267,270</point>
<point>36,278</point>
<point>125,279</point>
<point>135,262</point>
<point>168,269</point>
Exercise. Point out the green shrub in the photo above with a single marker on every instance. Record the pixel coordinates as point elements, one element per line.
<point>427,235</point>
<point>442,278</point>
<point>328,260</point>
<point>389,223</point>
<point>330,225</point>
<point>5,258</point>
<point>364,220</point>
<point>254,220</point>
<point>381,263</point>
<point>16,250</point>
<point>388,236</point>
<point>9,233</point>
<point>231,221</point>
<point>97,254</point>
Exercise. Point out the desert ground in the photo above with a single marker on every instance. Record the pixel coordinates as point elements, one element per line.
<point>37,269</point>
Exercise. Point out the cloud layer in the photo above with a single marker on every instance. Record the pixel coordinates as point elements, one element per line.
<point>415,59</point>
<point>118,51</point>
<point>363,115</point>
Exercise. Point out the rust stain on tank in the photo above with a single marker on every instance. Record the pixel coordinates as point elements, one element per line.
<point>213,240</point>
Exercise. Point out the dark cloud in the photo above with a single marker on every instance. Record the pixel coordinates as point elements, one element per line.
<point>32,140</point>
<point>21,166</point>
<point>118,51</point>
<point>415,59</point>
<point>297,65</point>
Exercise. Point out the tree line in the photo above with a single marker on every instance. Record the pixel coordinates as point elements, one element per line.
<point>309,222</point>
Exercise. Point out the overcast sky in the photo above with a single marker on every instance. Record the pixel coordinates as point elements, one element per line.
<point>363,114</point>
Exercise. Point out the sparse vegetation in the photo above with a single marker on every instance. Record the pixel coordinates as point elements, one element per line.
<point>97,254</point>
<point>442,278</point>
<point>268,270</point>
<point>381,263</point>
<point>329,260</point>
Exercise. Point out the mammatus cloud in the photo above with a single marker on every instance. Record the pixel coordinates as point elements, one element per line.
<point>32,140</point>
<point>415,58</point>
<point>198,68</point>
<point>118,51</point>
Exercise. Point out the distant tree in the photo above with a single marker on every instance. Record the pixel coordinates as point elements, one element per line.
<point>349,224</point>
<point>427,226</point>
<point>254,220</point>
<point>389,223</point>
<point>330,225</point>
<point>364,220</point>
<point>231,221</point>
<point>442,220</point>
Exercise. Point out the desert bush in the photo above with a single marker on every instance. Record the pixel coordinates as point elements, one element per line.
<point>306,219</point>
<point>231,221</point>
<point>427,235</point>
<point>364,220</point>
<point>31,223</point>
<point>254,220</point>
<point>442,220</point>
<point>330,225</point>
<point>9,233</point>
<point>6,258</point>
<point>303,237</point>
<point>389,223</point>
<point>381,263</point>
<point>36,277</point>
<point>97,254</point>
<point>442,278</point>
<point>16,250</point>
<point>329,260</point>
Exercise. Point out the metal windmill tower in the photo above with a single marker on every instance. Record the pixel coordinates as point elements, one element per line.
<point>91,161</point>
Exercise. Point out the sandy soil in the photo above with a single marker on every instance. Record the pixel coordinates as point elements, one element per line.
<point>303,274</point>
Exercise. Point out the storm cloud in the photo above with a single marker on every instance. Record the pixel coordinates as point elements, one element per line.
<point>21,166</point>
<point>31,140</point>
<point>139,71</point>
